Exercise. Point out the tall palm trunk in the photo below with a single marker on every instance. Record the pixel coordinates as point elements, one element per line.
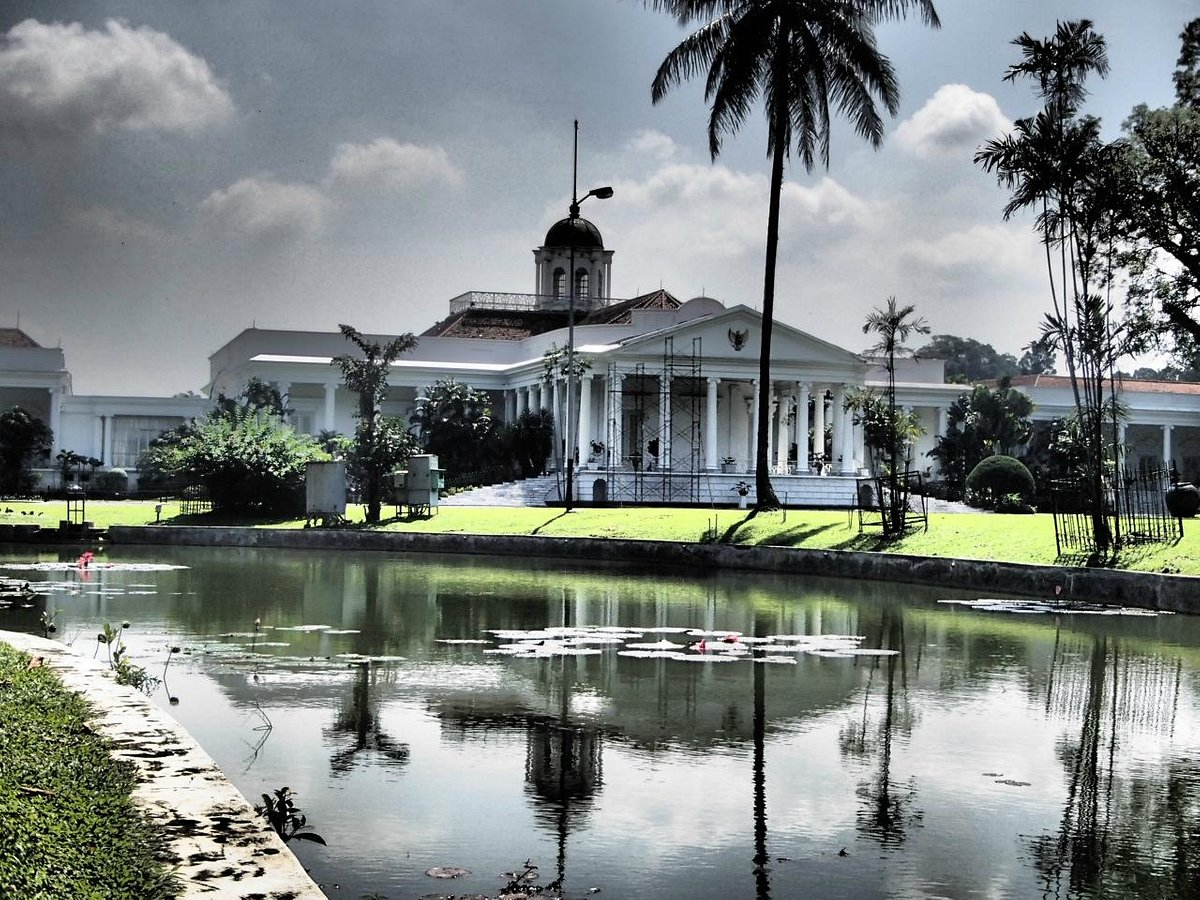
<point>779,131</point>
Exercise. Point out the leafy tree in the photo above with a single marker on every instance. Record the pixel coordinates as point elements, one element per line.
<point>248,460</point>
<point>1038,359</point>
<point>968,360</point>
<point>979,424</point>
<point>894,325</point>
<point>884,427</point>
<point>367,375</point>
<point>1166,373</point>
<point>455,421</point>
<point>23,439</point>
<point>390,450</point>
<point>256,396</point>
<point>1055,164</point>
<point>1158,163</point>
<point>529,441</point>
<point>800,57</point>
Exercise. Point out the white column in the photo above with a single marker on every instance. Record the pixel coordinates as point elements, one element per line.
<point>1166,431</point>
<point>710,425</point>
<point>819,420</point>
<point>781,449</point>
<point>850,463</point>
<point>560,425</point>
<point>584,431</point>
<point>55,421</point>
<point>330,394</point>
<point>943,424</point>
<point>618,424</point>
<point>97,448</point>
<point>753,442</point>
<point>837,419</point>
<point>802,427</point>
<point>106,452</point>
<point>841,442</point>
<point>1120,447</point>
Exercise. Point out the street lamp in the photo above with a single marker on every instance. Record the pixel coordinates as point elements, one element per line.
<point>602,193</point>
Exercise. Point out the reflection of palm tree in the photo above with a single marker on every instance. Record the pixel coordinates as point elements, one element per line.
<point>1083,832</point>
<point>886,812</point>
<point>362,722</point>
<point>1115,839</point>
<point>762,873</point>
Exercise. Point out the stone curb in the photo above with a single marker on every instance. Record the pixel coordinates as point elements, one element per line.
<point>219,845</point>
<point>1173,593</point>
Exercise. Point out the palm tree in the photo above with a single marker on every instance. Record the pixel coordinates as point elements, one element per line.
<point>1056,165</point>
<point>894,325</point>
<point>367,376</point>
<point>801,57</point>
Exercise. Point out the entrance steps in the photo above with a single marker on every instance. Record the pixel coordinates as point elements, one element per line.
<point>536,491</point>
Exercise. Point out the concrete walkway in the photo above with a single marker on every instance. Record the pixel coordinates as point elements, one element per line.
<point>219,846</point>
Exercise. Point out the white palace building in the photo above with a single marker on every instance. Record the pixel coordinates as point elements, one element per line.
<point>665,403</point>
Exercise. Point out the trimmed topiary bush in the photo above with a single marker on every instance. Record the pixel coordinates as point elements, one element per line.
<point>998,476</point>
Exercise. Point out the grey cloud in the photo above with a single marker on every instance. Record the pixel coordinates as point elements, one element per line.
<point>64,81</point>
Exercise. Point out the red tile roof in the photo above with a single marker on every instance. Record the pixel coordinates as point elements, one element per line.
<point>15,337</point>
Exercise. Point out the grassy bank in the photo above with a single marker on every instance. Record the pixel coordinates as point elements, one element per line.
<point>1028,539</point>
<point>67,825</point>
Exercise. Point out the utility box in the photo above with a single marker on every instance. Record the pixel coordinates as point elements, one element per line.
<point>417,486</point>
<point>325,491</point>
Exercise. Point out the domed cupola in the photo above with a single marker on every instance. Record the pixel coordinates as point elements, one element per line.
<point>573,240</point>
<point>576,232</point>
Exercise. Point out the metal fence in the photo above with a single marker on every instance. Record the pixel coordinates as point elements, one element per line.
<point>1132,511</point>
<point>893,513</point>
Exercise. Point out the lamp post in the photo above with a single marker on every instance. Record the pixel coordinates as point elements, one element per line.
<point>602,193</point>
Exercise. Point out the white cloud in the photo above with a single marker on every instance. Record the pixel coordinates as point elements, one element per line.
<point>983,248</point>
<point>955,120</point>
<point>264,209</point>
<point>653,143</point>
<point>717,211</point>
<point>386,163</point>
<point>64,80</point>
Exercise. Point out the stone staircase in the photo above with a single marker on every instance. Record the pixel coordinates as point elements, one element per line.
<point>535,491</point>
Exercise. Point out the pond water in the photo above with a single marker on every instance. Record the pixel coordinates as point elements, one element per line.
<point>998,751</point>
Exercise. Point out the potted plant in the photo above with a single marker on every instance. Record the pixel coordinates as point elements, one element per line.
<point>743,491</point>
<point>728,464</point>
<point>1183,500</point>
<point>597,451</point>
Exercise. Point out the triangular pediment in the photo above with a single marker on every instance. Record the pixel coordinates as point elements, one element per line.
<point>732,338</point>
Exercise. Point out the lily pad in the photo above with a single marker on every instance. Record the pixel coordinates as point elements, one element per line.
<point>447,872</point>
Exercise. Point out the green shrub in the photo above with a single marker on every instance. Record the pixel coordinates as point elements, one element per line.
<point>113,482</point>
<point>997,476</point>
<point>248,460</point>
<point>1014,503</point>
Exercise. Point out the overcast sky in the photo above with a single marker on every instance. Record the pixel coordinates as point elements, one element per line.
<point>172,172</point>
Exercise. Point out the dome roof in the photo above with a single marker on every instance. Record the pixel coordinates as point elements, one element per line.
<point>574,232</point>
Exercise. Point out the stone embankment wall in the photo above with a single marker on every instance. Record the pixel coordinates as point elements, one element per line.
<point>1174,593</point>
<point>220,846</point>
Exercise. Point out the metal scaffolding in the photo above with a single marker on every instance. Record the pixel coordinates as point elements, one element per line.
<point>655,429</point>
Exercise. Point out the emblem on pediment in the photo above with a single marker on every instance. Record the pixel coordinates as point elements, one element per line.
<point>737,339</point>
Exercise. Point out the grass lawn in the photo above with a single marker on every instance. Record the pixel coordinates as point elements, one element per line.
<point>1015,538</point>
<point>67,825</point>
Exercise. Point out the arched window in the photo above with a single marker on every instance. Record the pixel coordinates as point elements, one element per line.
<point>560,282</point>
<point>581,283</point>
